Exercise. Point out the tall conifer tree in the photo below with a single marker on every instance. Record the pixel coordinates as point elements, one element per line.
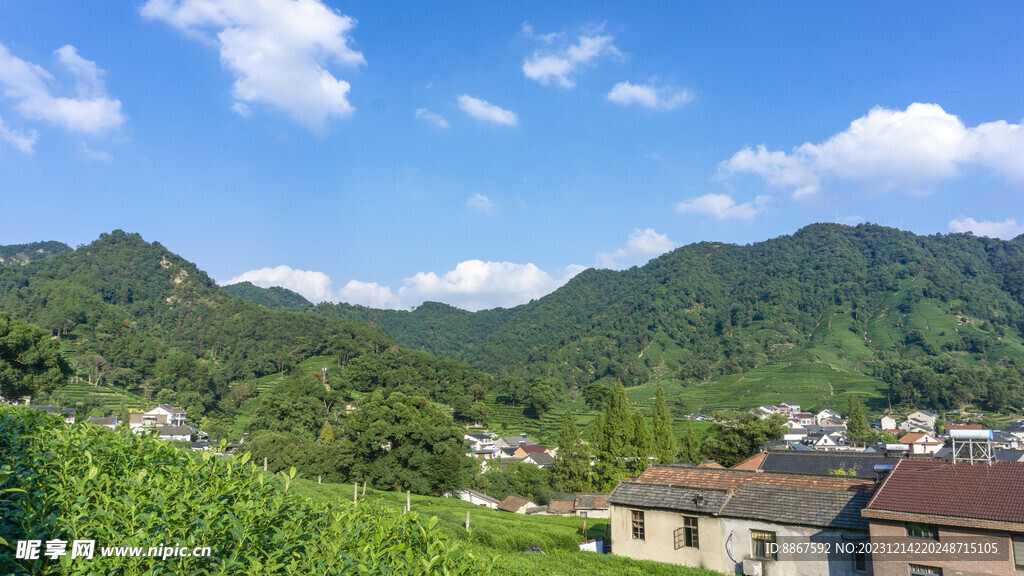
<point>571,469</point>
<point>664,440</point>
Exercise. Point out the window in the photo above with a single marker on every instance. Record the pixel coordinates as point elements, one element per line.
<point>860,561</point>
<point>1018,553</point>
<point>638,524</point>
<point>686,537</point>
<point>928,531</point>
<point>759,545</point>
<point>916,570</point>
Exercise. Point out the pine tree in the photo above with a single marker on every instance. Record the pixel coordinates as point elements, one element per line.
<point>690,449</point>
<point>643,444</point>
<point>571,469</point>
<point>618,437</point>
<point>856,421</point>
<point>326,433</point>
<point>664,440</point>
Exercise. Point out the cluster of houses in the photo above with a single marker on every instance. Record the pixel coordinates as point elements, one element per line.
<point>584,505</point>
<point>504,450</point>
<point>917,434</point>
<point>789,513</point>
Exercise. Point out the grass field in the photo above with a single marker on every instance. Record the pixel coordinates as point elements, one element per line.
<point>509,535</point>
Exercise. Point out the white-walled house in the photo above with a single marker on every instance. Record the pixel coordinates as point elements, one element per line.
<point>165,415</point>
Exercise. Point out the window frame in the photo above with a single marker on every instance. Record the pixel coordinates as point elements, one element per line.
<point>687,535</point>
<point>1017,545</point>
<point>922,531</point>
<point>921,570</point>
<point>765,537</point>
<point>638,525</point>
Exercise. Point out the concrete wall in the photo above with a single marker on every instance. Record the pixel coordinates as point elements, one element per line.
<point>725,543</point>
<point>898,565</point>
<point>659,544</point>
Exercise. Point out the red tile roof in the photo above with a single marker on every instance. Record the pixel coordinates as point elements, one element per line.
<point>918,438</point>
<point>709,464</point>
<point>962,490</point>
<point>513,503</point>
<point>725,479</point>
<point>752,463</point>
<point>533,448</point>
<point>964,427</point>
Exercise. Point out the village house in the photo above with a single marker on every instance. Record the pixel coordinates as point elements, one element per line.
<point>67,414</point>
<point>528,449</point>
<point>165,415</point>
<point>827,414</point>
<point>513,441</point>
<point>540,460</point>
<point>886,423</point>
<point>924,501</point>
<point>584,505</point>
<point>922,444</point>
<point>516,504</point>
<point>729,520</point>
<point>110,422</point>
<point>474,497</point>
<point>870,466</point>
<point>180,433</point>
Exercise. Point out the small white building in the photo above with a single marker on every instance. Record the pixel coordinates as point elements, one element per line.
<point>165,415</point>
<point>478,498</point>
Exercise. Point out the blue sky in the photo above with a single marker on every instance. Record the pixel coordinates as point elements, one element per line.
<point>391,153</point>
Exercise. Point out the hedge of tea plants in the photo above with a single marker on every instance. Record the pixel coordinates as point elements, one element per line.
<point>83,482</point>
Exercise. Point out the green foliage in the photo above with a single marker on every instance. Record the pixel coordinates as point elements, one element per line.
<point>275,297</point>
<point>664,439</point>
<point>737,436</point>
<point>30,363</point>
<point>543,393</point>
<point>525,480</point>
<point>690,447</point>
<point>570,471</point>
<point>297,405</point>
<point>843,472</point>
<point>326,435</point>
<point>120,489</point>
<point>856,421</point>
<point>404,442</point>
<point>829,294</point>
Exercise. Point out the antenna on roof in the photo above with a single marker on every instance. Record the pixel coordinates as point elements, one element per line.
<point>972,446</point>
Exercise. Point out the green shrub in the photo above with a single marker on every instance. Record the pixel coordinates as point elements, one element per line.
<point>119,489</point>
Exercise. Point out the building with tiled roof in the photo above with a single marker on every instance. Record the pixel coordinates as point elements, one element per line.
<point>922,443</point>
<point>925,501</point>
<point>724,519</point>
<point>516,504</point>
<point>528,449</point>
<point>860,464</point>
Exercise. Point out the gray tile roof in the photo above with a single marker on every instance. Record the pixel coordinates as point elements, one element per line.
<point>666,497</point>
<point>542,459</point>
<point>863,465</point>
<point>174,430</point>
<point>800,506</point>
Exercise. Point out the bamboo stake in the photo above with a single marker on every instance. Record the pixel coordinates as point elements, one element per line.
<point>364,487</point>
<point>319,479</point>
<point>355,492</point>
<point>467,520</point>
<point>408,501</point>
<point>264,463</point>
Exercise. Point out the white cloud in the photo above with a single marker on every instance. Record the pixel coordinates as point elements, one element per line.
<point>368,294</point>
<point>641,247</point>
<point>91,155</point>
<point>92,111</point>
<point>484,110</point>
<point>560,65</point>
<point>428,116</point>
<point>480,203</point>
<point>891,148</point>
<point>723,207</point>
<point>23,141</point>
<point>314,286</point>
<point>472,285</point>
<point>277,49</point>
<point>649,96</point>
<point>1006,229</point>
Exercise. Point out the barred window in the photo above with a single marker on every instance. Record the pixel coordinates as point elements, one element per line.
<point>686,536</point>
<point>638,524</point>
<point>759,545</point>
<point>916,570</point>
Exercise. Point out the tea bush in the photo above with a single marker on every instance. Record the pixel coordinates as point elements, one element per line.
<point>83,482</point>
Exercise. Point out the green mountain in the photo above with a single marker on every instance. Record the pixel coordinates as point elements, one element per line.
<point>132,316</point>
<point>939,318</point>
<point>274,297</point>
<point>25,253</point>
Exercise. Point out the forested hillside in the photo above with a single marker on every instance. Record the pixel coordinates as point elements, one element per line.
<point>938,317</point>
<point>133,316</point>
